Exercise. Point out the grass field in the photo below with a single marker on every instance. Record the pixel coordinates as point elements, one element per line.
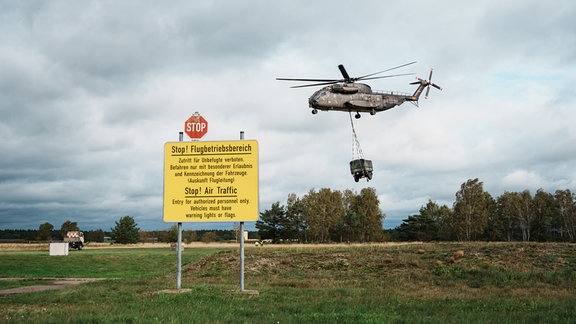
<point>412,283</point>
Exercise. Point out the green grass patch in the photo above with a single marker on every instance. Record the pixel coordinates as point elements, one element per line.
<point>416,283</point>
<point>92,263</point>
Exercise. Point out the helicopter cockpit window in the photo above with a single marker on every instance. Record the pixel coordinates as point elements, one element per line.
<point>318,94</point>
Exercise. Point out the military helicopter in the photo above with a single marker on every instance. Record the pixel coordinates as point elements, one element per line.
<point>347,95</point>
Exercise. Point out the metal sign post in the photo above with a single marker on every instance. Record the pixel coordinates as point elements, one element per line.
<point>241,243</point>
<point>179,265</point>
<point>241,256</point>
<point>179,248</point>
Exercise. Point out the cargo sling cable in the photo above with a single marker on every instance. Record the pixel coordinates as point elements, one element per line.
<point>359,167</point>
<point>356,149</point>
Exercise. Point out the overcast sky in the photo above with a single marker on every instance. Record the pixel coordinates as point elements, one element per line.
<point>91,90</point>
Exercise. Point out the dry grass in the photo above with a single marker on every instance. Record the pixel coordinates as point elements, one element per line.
<point>24,246</point>
<point>412,270</point>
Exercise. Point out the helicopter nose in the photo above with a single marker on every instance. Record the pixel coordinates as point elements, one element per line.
<point>312,102</point>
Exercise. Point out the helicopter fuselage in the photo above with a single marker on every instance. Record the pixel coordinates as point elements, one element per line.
<point>358,97</point>
<point>347,95</point>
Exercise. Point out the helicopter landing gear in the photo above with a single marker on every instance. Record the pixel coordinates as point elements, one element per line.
<point>314,111</point>
<point>373,112</point>
<point>357,116</point>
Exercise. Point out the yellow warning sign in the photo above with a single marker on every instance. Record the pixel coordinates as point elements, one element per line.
<point>211,181</point>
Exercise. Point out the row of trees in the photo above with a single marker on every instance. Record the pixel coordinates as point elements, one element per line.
<point>323,216</point>
<point>476,215</point>
<point>125,231</point>
<point>46,232</point>
<point>327,215</point>
<point>171,235</point>
<point>334,216</point>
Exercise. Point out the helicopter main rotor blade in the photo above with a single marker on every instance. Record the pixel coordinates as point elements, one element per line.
<point>386,76</point>
<point>344,73</point>
<point>346,77</point>
<point>394,68</point>
<point>308,80</point>
<point>314,84</point>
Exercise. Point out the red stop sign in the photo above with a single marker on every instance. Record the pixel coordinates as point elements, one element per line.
<point>196,126</point>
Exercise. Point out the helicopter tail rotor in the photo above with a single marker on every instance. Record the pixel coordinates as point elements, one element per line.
<point>427,83</point>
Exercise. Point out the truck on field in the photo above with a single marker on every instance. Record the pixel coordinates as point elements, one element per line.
<point>75,240</point>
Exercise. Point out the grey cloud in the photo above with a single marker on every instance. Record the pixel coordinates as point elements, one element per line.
<point>92,90</point>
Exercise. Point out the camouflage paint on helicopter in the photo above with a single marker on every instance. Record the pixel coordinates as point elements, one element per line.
<point>347,95</point>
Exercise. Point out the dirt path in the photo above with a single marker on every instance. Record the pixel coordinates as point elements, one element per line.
<point>46,284</point>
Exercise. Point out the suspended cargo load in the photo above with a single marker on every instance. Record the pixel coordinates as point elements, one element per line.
<point>361,168</point>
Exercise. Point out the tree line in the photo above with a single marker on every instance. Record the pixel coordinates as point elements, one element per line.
<point>46,232</point>
<point>334,216</point>
<point>125,231</point>
<point>324,216</point>
<point>512,216</point>
<point>330,215</point>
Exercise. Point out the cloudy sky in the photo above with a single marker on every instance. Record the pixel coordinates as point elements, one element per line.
<point>91,90</point>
